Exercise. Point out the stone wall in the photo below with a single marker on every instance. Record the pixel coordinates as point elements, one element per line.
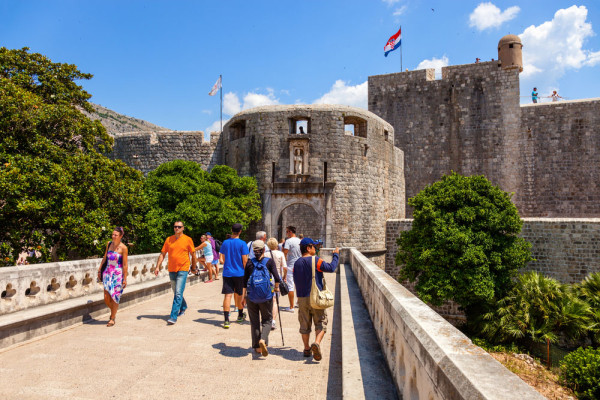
<point>353,196</point>
<point>428,358</point>
<point>565,249</point>
<point>561,174</point>
<point>470,122</point>
<point>145,151</point>
<point>467,122</point>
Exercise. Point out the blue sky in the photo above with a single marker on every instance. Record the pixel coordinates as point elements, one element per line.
<point>157,60</point>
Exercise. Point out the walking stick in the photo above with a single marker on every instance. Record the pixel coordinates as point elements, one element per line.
<point>279,313</point>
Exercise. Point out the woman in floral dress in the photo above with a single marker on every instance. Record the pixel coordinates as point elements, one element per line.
<point>114,277</point>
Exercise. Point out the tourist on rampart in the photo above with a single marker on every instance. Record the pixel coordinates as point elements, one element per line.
<point>215,262</point>
<point>534,95</point>
<point>260,235</point>
<point>234,256</point>
<point>555,96</point>
<point>179,247</point>
<point>261,281</point>
<point>206,249</point>
<point>279,259</point>
<point>307,315</point>
<point>114,277</point>
<point>291,250</point>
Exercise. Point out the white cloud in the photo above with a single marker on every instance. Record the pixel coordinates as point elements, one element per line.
<point>215,127</point>
<point>207,112</point>
<point>400,11</point>
<point>231,104</point>
<point>340,93</point>
<point>256,99</point>
<point>487,15</point>
<point>557,45</point>
<point>436,63</point>
<point>390,2</point>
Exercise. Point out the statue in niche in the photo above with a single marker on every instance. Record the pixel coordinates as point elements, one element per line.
<point>298,156</point>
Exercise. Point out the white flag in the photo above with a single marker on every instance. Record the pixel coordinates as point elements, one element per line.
<point>215,88</point>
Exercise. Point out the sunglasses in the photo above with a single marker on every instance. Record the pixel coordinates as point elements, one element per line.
<point>177,226</point>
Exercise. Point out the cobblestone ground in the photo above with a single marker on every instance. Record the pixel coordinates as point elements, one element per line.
<point>141,357</point>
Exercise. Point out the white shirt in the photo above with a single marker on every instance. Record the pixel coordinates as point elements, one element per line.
<point>279,259</point>
<point>293,246</point>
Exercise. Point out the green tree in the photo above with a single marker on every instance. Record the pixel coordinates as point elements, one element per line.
<point>58,192</point>
<point>203,201</point>
<point>463,245</point>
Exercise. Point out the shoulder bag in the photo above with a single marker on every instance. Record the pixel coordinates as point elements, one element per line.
<point>319,299</point>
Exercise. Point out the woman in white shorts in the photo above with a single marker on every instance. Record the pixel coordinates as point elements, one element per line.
<point>208,257</point>
<point>279,259</point>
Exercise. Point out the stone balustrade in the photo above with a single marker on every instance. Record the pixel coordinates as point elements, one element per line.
<point>427,356</point>
<point>26,286</point>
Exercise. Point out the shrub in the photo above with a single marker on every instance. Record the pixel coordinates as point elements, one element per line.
<point>589,291</point>
<point>580,370</point>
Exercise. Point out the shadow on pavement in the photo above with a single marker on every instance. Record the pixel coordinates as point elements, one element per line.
<point>334,379</point>
<point>163,317</point>
<point>232,351</point>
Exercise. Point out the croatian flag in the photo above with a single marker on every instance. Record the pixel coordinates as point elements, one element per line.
<point>393,42</point>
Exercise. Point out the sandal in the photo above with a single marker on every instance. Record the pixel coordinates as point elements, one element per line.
<point>306,353</point>
<point>111,322</point>
<point>316,350</point>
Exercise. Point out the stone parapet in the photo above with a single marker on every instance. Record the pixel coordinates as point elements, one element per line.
<point>27,286</point>
<point>429,358</point>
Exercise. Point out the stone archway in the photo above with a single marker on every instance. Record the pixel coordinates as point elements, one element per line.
<point>305,218</point>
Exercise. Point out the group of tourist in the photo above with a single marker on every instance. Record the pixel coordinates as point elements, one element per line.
<point>554,96</point>
<point>252,274</point>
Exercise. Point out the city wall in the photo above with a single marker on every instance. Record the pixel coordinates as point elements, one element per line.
<point>470,121</point>
<point>566,249</point>
<point>145,151</point>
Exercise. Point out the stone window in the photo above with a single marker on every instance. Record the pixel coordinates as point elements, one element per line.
<point>299,125</point>
<point>325,171</point>
<point>386,135</point>
<point>355,126</point>
<point>237,130</point>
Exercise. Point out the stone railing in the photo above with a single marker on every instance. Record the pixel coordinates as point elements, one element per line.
<point>428,357</point>
<point>29,286</point>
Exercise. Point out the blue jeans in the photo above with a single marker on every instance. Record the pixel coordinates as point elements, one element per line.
<point>178,280</point>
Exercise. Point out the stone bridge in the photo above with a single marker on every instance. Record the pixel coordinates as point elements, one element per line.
<point>383,342</point>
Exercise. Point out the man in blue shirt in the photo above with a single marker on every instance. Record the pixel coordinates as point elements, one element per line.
<point>534,95</point>
<point>234,256</point>
<point>303,281</point>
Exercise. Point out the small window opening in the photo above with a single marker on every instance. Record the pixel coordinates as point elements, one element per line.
<point>510,46</point>
<point>273,172</point>
<point>237,130</point>
<point>325,171</point>
<point>386,135</point>
<point>355,126</point>
<point>299,126</point>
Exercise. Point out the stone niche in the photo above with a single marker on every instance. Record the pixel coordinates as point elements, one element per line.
<point>298,148</point>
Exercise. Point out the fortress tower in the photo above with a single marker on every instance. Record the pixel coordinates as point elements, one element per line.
<point>510,53</point>
<point>331,171</point>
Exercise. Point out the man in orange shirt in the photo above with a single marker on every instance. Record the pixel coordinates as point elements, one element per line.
<point>179,247</point>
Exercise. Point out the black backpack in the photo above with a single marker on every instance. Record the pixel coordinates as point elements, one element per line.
<point>218,244</point>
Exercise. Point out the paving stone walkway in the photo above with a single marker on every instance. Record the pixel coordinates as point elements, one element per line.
<point>141,357</point>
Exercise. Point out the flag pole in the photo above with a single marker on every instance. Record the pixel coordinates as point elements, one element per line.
<point>401,48</point>
<point>221,93</point>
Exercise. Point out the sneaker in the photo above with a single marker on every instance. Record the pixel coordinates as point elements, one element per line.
<point>226,325</point>
<point>263,348</point>
<point>273,325</point>
<point>171,321</point>
<point>181,313</point>
<point>289,309</point>
<point>208,281</point>
<point>241,318</point>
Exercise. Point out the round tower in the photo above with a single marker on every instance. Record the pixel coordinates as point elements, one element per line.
<point>510,52</point>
